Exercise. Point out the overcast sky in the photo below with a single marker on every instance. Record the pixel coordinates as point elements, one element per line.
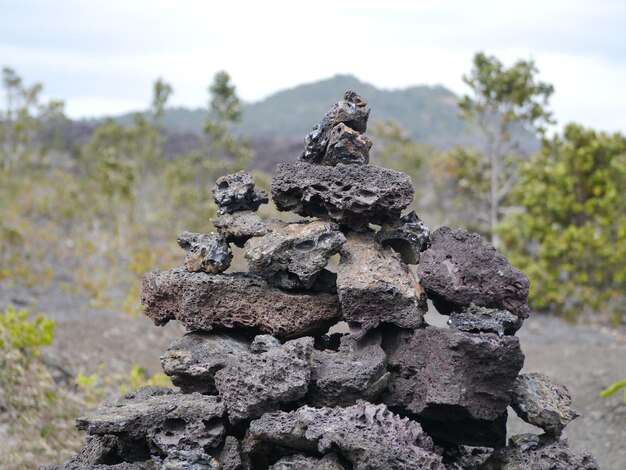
<point>102,57</point>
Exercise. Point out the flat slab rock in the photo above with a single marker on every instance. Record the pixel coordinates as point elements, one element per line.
<point>475,319</point>
<point>375,287</point>
<point>441,375</point>
<point>542,402</point>
<point>369,436</point>
<point>163,419</point>
<point>204,302</point>
<point>460,269</point>
<point>352,195</point>
<point>260,383</point>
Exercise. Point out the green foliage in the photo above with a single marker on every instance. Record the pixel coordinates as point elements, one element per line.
<point>17,332</point>
<point>614,388</point>
<point>570,235</point>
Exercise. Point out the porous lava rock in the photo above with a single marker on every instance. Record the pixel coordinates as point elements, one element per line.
<point>453,381</point>
<point>236,192</point>
<point>353,195</point>
<point>260,383</point>
<point>192,360</point>
<point>291,256</point>
<point>239,227</point>
<point>347,146</point>
<point>204,302</point>
<point>465,457</point>
<point>357,370</point>
<point>460,269</point>
<point>352,111</point>
<point>529,451</point>
<point>163,420</point>
<point>368,436</point>
<point>188,460</point>
<point>302,462</point>
<point>375,287</point>
<point>475,319</point>
<point>542,402</point>
<point>206,252</point>
<point>407,235</point>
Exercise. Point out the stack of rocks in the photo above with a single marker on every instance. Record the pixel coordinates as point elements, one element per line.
<point>263,384</point>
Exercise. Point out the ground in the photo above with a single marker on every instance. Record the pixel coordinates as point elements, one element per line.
<point>585,358</point>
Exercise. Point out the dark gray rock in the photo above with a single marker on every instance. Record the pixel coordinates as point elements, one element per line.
<point>192,360</point>
<point>465,457</point>
<point>484,320</point>
<point>375,287</point>
<point>347,146</point>
<point>164,420</point>
<point>358,370</point>
<point>189,460</point>
<point>353,195</point>
<point>460,269</point>
<point>351,111</point>
<point>542,402</point>
<point>231,456</point>
<point>239,227</point>
<point>291,256</point>
<point>260,383</point>
<point>263,343</point>
<point>407,235</point>
<point>236,192</point>
<point>203,302</point>
<point>302,462</point>
<point>453,381</point>
<point>531,452</point>
<point>206,252</point>
<point>369,436</point>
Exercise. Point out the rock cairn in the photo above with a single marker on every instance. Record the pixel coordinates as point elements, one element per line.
<point>264,385</point>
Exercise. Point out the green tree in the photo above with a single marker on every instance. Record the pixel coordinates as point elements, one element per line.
<point>503,102</point>
<point>570,237</point>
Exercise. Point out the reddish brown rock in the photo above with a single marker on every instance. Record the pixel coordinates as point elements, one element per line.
<point>204,302</point>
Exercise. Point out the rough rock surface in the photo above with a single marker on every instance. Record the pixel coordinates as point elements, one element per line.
<point>347,146</point>
<point>165,420</point>
<point>260,383</point>
<point>407,235</point>
<point>353,195</point>
<point>465,457</point>
<point>263,343</point>
<point>188,460</point>
<point>460,269</point>
<point>542,402</point>
<point>358,370</point>
<point>302,462</point>
<point>531,452</point>
<point>291,256</point>
<point>203,302</point>
<point>369,436</point>
<point>236,192</point>
<point>375,287</point>
<point>351,111</point>
<point>453,380</point>
<point>230,456</point>
<point>239,227</point>
<point>206,252</point>
<point>192,360</point>
<point>484,320</point>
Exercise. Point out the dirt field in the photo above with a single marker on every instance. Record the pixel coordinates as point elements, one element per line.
<point>585,358</point>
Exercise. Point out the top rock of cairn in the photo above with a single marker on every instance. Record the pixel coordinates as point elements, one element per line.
<point>392,393</point>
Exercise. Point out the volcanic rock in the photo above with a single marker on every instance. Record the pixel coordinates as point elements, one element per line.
<point>239,227</point>
<point>347,146</point>
<point>236,192</point>
<point>465,457</point>
<point>206,252</point>
<point>259,383</point>
<point>407,235</point>
<point>263,343</point>
<point>203,302</point>
<point>542,402</point>
<point>442,375</point>
<point>528,451</point>
<point>460,269</point>
<point>302,462</point>
<point>358,370</point>
<point>369,436</point>
<point>352,195</point>
<point>375,287</point>
<point>192,360</point>
<point>484,320</point>
<point>351,111</point>
<point>291,256</point>
<point>189,460</point>
<point>231,457</point>
<point>164,420</point>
